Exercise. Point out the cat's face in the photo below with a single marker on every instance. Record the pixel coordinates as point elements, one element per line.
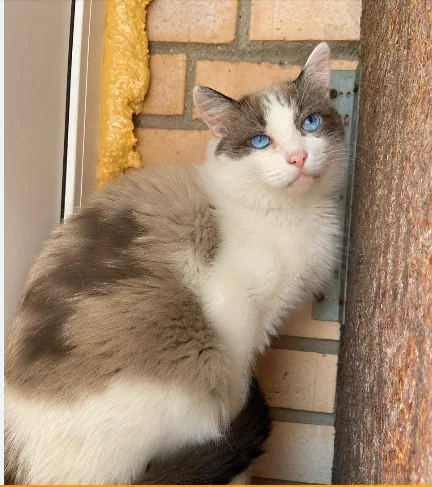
<point>286,137</point>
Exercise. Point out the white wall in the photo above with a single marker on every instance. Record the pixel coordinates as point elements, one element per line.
<point>36,54</point>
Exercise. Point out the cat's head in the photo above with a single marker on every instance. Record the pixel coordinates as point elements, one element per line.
<point>285,139</point>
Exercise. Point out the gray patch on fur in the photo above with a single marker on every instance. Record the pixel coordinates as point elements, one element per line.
<point>106,299</point>
<point>306,100</point>
<point>246,119</point>
<point>82,262</point>
<point>205,235</point>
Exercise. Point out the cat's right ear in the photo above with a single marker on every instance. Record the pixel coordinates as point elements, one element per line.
<point>317,70</point>
<point>214,108</point>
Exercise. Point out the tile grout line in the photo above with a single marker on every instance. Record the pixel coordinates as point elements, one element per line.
<point>305,344</point>
<point>297,416</point>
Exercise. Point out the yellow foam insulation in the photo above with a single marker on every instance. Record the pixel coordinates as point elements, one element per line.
<point>125,80</point>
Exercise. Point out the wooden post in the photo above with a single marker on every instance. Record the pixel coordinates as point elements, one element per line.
<point>384,400</point>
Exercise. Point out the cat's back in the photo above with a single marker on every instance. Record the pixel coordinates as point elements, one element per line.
<point>107,295</point>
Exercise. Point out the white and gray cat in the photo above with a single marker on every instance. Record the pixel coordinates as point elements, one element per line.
<point>141,320</point>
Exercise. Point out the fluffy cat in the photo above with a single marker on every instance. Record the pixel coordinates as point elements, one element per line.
<point>142,317</point>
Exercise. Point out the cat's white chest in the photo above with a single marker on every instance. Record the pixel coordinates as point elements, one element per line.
<point>265,270</point>
<point>273,262</point>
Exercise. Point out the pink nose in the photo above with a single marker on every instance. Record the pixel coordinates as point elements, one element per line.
<point>297,158</point>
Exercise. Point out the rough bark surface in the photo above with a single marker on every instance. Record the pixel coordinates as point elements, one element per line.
<point>384,399</point>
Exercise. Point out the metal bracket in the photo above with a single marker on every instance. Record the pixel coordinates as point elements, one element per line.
<point>344,95</point>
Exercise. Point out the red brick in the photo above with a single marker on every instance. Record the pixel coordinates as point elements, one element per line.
<point>298,20</point>
<point>167,85</point>
<point>161,146</point>
<point>205,21</point>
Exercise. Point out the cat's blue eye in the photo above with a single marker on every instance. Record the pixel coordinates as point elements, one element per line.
<point>311,123</point>
<point>260,141</point>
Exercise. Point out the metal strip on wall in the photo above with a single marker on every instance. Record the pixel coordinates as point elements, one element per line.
<point>344,94</point>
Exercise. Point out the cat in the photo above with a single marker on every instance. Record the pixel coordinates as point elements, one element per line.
<point>142,317</point>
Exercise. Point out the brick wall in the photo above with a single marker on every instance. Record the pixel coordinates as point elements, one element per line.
<point>236,46</point>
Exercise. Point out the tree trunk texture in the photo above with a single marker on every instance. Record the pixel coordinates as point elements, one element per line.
<point>384,397</point>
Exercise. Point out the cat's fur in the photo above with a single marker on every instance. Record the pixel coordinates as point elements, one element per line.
<point>141,320</point>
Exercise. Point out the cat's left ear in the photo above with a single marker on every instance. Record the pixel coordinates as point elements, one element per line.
<point>317,70</point>
<point>214,108</point>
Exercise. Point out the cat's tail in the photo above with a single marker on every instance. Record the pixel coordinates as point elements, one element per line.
<point>217,462</point>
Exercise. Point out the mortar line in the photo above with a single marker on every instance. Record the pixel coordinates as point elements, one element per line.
<point>287,52</point>
<point>243,23</point>
<point>170,122</point>
<point>189,84</point>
